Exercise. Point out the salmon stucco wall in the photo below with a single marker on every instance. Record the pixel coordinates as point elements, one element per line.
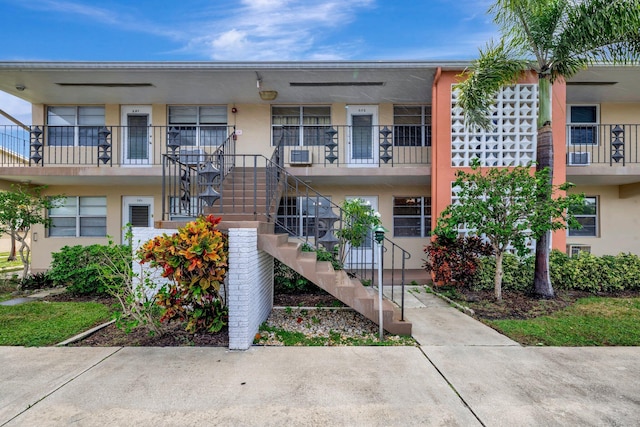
<point>443,173</point>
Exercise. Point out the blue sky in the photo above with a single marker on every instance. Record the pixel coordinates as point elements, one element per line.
<point>239,30</point>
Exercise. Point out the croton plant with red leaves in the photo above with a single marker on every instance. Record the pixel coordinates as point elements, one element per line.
<point>195,260</point>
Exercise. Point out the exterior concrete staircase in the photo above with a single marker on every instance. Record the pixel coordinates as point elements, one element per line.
<point>244,199</point>
<point>348,290</point>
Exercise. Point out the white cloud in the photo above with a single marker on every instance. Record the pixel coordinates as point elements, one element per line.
<point>16,107</point>
<point>276,29</point>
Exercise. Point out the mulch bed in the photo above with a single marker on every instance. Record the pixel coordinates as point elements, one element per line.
<point>173,334</point>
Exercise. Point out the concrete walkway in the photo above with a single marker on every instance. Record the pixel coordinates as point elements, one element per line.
<point>463,374</point>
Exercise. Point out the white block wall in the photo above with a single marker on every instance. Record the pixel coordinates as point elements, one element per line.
<point>250,280</point>
<point>141,235</point>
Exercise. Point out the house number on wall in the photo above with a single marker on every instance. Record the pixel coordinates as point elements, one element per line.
<point>135,111</point>
<point>362,110</point>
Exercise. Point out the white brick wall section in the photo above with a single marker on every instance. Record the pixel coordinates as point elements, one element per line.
<point>250,287</point>
<point>141,235</point>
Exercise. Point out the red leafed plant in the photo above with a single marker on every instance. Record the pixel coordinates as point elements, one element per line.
<point>195,260</point>
<point>454,261</point>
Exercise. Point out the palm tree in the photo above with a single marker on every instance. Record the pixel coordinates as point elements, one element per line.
<point>556,39</point>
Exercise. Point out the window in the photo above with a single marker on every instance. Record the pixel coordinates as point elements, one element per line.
<point>412,125</point>
<point>199,125</point>
<point>79,217</point>
<point>411,216</point>
<point>298,216</point>
<point>74,126</point>
<point>583,120</point>
<point>587,216</point>
<point>300,126</point>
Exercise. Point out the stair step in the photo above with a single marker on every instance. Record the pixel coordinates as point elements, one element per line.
<point>349,290</point>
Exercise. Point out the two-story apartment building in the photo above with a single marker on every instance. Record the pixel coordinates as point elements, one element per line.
<point>130,142</point>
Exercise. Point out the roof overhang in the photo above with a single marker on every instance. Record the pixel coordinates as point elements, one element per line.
<point>221,82</point>
<point>605,83</point>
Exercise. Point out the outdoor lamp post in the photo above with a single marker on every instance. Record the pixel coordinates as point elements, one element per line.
<point>378,234</point>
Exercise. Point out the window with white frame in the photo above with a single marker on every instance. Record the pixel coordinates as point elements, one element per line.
<point>301,216</point>
<point>84,216</point>
<point>412,125</point>
<point>199,126</point>
<point>583,124</point>
<point>412,216</point>
<point>300,125</point>
<point>74,125</point>
<point>587,215</point>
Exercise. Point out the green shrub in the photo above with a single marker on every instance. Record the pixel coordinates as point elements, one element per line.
<point>593,274</point>
<point>36,281</point>
<point>288,281</point>
<point>585,272</point>
<point>517,273</point>
<point>79,268</point>
<point>559,269</point>
<point>628,267</point>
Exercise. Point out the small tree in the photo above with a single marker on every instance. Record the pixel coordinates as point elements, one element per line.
<point>20,209</point>
<point>505,207</point>
<point>359,220</point>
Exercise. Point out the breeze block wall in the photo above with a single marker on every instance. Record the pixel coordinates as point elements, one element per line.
<point>250,283</point>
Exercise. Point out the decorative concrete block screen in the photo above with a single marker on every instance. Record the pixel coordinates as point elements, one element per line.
<point>512,142</point>
<point>249,281</point>
<point>464,230</point>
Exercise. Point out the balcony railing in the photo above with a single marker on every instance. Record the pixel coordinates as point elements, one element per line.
<point>105,146</point>
<point>365,146</point>
<point>614,144</point>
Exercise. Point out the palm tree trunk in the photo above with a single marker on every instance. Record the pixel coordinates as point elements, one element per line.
<point>544,155</point>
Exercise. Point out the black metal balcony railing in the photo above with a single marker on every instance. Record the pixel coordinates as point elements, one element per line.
<point>326,146</point>
<point>612,144</point>
<point>105,145</point>
<point>320,146</point>
<point>373,146</point>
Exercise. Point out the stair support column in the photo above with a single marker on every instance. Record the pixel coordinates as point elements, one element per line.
<point>250,285</point>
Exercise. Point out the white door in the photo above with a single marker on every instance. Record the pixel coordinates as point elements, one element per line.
<point>137,211</point>
<point>137,139</point>
<point>362,139</point>
<point>363,256</point>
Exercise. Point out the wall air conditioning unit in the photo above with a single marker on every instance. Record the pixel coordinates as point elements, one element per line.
<point>192,157</point>
<point>300,157</point>
<point>574,250</point>
<point>580,158</point>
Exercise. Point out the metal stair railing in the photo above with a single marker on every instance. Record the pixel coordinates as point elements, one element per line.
<point>294,207</point>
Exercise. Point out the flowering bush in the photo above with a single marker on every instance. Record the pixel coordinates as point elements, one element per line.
<point>195,260</point>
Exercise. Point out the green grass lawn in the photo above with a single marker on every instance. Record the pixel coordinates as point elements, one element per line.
<point>592,321</point>
<point>9,265</point>
<point>43,323</point>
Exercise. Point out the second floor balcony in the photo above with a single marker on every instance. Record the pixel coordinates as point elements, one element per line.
<point>614,145</point>
<point>109,146</point>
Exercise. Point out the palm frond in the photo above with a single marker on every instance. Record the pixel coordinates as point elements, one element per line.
<point>597,31</point>
<point>497,66</point>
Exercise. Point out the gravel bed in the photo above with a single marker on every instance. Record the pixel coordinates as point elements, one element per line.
<point>322,323</point>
